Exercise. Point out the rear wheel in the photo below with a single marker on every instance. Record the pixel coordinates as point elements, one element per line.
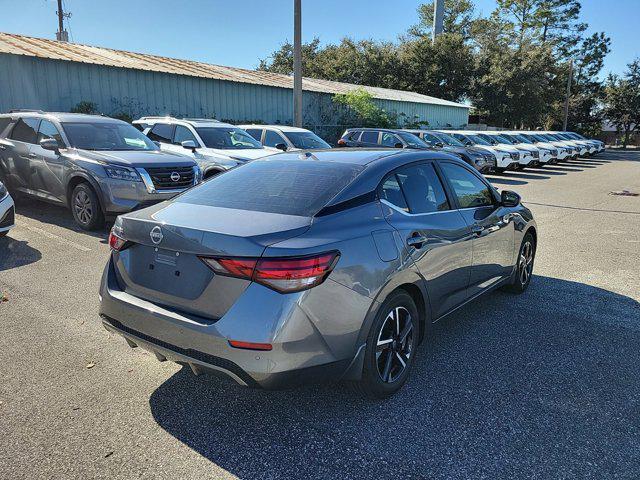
<point>524,268</point>
<point>85,207</point>
<point>391,346</point>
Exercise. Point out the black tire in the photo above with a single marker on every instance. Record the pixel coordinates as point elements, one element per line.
<point>397,311</point>
<point>526,256</point>
<point>85,207</point>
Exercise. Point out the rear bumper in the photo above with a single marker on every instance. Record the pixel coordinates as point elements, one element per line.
<point>301,352</point>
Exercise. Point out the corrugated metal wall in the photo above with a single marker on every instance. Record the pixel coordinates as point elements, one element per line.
<point>54,85</point>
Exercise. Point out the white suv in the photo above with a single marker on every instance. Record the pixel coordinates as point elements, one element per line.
<point>507,157</point>
<point>284,137</point>
<point>214,145</point>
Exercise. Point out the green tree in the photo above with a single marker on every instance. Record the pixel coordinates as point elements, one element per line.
<point>281,61</point>
<point>361,107</point>
<point>622,101</point>
<point>459,17</point>
<point>443,69</point>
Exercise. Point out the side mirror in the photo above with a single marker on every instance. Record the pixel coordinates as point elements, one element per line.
<point>50,144</point>
<point>190,145</point>
<point>398,145</point>
<point>281,146</point>
<point>439,144</point>
<point>509,198</point>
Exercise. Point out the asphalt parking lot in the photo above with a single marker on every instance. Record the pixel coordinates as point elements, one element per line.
<point>543,385</point>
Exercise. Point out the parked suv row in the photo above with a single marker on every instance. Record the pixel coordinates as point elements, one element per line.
<point>417,139</point>
<point>96,166</point>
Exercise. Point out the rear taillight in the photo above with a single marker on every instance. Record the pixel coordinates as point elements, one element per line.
<point>342,142</point>
<point>116,242</point>
<point>286,275</point>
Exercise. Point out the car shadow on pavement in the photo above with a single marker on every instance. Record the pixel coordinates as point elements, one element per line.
<point>505,180</point>
<point>506,387</point>
<point>16,253</point>
<point>54,215</point>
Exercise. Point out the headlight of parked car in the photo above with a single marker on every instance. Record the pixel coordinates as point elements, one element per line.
<point>122,173</point>
<point>3,191</point>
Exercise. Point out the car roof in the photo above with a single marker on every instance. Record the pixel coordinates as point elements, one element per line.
<point>377,163</point>
<point>195,122</point>
<point>282,128</point>
<point>375,129</point>
<point>63,116</point>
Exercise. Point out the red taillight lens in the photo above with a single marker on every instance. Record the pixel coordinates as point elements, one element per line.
<point>342,142</point>
<point>116,242</point>
<point>250,345</point>
<point>282,274</point>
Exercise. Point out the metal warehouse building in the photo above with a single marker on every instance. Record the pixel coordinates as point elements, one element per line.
<point>55,76</point>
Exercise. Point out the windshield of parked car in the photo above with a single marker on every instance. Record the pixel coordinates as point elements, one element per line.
<point>478,140</point>
<point>520,138</point>
<point>112,136</point>
<point>306,140</point>
<point>288,187</point>
<point>412,140</point>
<point>447,139</point>
<point>503,139</point>
<point>227,138</point>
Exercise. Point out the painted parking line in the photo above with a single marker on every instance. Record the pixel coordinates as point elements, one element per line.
<point>53,236</point>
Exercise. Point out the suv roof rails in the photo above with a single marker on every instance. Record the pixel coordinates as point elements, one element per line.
<point>25,110</point>
<point>155,117</point>
<point>202,120</point>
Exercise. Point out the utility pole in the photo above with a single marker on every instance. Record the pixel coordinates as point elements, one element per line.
<point>297,63</point>
<point>438,19</point>
<point>566,101</point>
<point>62,35</point>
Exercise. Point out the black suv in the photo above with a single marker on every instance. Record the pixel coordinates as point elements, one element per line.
<point>97,166</point>
<point>380,137</point>
<point>482,160</point>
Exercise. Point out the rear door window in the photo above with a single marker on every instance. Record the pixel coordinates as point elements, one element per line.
<point>422,189</point>
<point>161,132</point>
<point>369,136</point>
<point>391,192</point>
<point>289,187</point>
<point>26,130</point>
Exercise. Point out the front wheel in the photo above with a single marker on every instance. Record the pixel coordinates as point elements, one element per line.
<point>86,208</point>
<point>391,345</point>
<point>524,268</point>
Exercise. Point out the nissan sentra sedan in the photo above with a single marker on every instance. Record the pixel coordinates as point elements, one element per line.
<point>308,266</point>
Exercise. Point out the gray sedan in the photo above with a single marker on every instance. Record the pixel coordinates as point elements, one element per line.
<point>303,266</point>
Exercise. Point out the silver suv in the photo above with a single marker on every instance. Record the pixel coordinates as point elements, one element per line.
<point>97,166</point>
<point>214,145</point>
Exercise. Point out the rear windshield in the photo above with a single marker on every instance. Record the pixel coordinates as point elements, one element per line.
<point>306,140</point>
<point>289,187</point>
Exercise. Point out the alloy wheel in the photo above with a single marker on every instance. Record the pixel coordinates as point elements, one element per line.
<point>395,344</point>
<point>83,207</point>
<point>525,263</point>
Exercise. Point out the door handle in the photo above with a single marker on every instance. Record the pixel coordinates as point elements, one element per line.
<point>33,155</point>
<point>477,229</point>
<point>416,241</point>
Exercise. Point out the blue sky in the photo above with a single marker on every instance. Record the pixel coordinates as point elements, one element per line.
<point>240,33</point>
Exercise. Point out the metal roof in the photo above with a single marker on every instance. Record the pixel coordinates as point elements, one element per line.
<point>74,52</point>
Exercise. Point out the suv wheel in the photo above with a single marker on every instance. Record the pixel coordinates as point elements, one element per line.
<point>391,346</point>
<point>86,207</point>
